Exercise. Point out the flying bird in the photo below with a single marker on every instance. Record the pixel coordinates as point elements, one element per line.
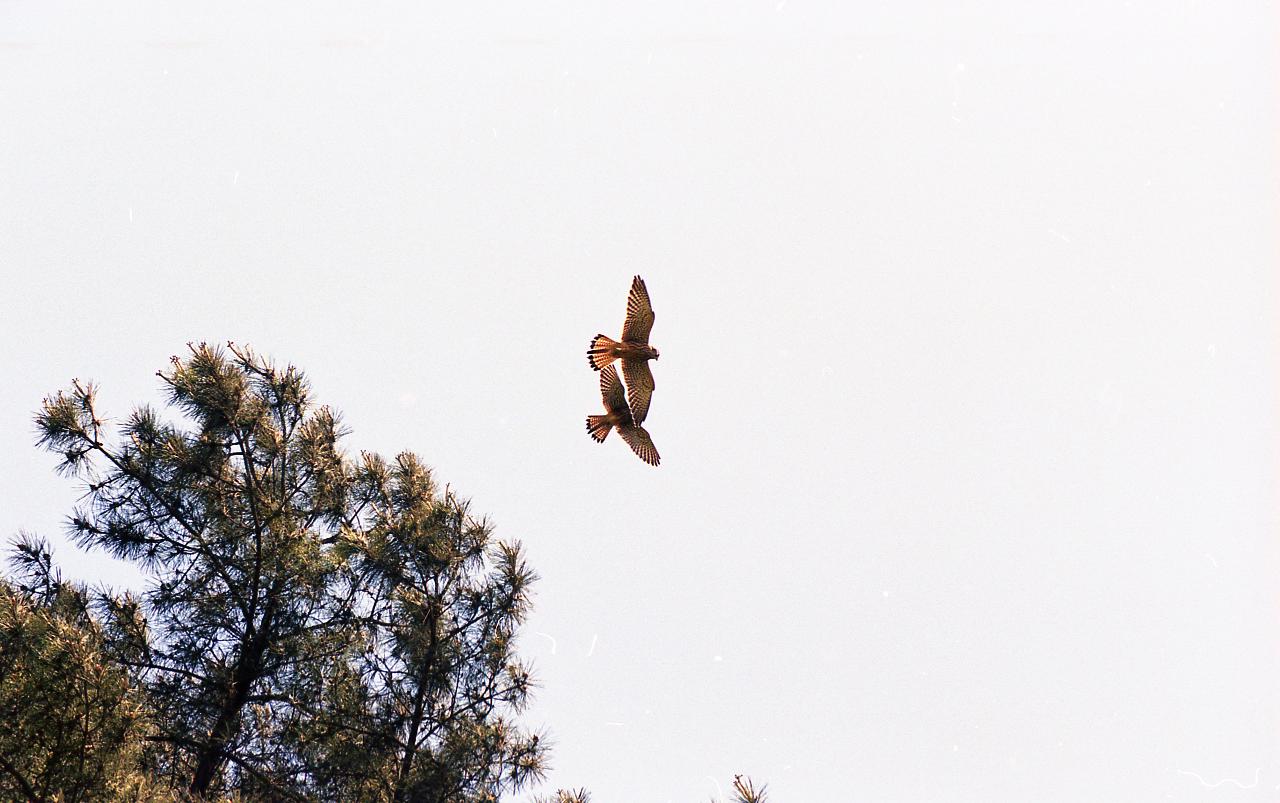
<point>633,350</point>
<point>618,415</point>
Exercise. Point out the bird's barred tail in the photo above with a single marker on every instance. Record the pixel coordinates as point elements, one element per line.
<point>598,427</point>
<point>598,355</point>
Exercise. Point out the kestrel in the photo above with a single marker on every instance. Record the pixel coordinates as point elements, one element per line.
<point>618,415</point>
<point>633,350</point>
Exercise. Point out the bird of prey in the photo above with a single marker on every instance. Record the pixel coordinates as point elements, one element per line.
<point>633,350</point>
<point>618,415</point>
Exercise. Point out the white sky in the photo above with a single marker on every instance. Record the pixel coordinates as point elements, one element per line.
<point>968,322</point>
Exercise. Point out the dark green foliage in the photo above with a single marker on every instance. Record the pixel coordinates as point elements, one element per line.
<point>72,721</point>
<point>314,627</point>
<point>440,602</point>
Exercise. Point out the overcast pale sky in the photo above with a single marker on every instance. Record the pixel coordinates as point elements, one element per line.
<point>968,320</point>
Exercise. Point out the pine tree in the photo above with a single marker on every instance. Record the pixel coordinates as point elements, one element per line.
<point>440,602</point>
<point>72,722</point>
<point>314,627</point>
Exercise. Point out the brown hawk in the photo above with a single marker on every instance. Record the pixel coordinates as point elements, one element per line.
<point>618,415</point>
<point>633,350</point>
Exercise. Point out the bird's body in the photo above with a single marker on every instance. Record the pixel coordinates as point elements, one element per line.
<point>617,415</point>
<point>605,350</point>
<point>632,350</point>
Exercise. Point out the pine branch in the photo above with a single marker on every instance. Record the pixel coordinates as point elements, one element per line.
<point>27,788</point>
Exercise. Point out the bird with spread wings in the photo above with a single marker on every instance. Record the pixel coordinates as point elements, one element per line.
<point>617,415</point>
<point>632,350</point>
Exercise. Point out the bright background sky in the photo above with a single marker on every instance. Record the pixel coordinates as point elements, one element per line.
<point>969,332</point>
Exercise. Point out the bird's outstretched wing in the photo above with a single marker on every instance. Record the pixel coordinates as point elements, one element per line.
<point>639,388</point>
<point>639,320</point>
<point>640,443</point>
<point>615,400</point>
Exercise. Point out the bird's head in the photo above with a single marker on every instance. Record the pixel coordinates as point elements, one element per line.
<point>655,354</point>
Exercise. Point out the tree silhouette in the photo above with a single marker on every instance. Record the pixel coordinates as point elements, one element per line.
<point>314,627</point>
